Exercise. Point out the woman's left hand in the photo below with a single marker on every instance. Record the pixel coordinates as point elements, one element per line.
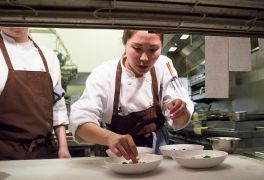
<point>177,109</point>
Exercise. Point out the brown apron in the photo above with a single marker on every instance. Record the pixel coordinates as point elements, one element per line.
<point>26,113</point>
<point>139,125</point>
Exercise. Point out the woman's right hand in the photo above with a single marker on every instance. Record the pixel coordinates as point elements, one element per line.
<point>123,145</point>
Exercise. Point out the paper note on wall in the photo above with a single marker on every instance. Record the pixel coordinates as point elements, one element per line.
<point>239,54</point>
<point>216,67</point>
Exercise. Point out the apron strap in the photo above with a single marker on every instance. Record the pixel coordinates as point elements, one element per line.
<point>29,147</point>
<point>5,54</point>
<point>154,86</point>
<point>41,55</point>
<point>118,85</point>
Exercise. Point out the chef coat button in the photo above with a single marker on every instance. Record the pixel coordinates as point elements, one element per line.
<point>129,83</point>
<point>24,68</point>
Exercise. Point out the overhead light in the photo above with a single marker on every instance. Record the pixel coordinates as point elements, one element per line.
<point>184,36</point>
<point>172,49</point>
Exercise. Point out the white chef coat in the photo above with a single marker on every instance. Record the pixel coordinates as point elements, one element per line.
<point>25,56</point>
<point>96,102</point>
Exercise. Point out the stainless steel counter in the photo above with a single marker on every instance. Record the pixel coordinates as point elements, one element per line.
<point>235,167</point>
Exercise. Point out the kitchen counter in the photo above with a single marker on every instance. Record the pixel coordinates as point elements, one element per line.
<point>235,167</point>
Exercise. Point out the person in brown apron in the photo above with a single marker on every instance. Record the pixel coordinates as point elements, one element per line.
<point>135,128</point>
<point>26,113</point>
<point>139,125</point>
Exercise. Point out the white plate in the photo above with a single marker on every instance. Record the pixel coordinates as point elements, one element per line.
<point>147,162</point>
<point>173,149</point>
<point>197,158</point>
<point>141,150</point>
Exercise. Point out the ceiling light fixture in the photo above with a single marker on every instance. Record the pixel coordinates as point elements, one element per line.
<point>184,36</point>
<point>172,49</point>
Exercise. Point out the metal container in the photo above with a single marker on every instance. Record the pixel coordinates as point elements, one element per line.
<point>240,116</point>
<point>227,144</point>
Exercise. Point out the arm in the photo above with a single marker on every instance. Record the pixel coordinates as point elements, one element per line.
<point>180,105</point>
<point>121,145</point>
<point>61,137</point>
<point>95,106</point>
<point>60,117</point>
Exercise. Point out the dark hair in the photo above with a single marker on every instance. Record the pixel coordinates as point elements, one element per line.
<point>127,34</point>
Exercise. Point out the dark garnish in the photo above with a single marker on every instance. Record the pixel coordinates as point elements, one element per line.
<point>206,156</point>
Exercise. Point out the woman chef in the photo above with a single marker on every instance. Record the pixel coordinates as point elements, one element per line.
<point>127,94</point>
<point>28,114</point>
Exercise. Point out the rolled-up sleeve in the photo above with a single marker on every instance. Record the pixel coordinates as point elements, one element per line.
<point>60,116</point>
<point>83,111</point>
<point>92,103</point>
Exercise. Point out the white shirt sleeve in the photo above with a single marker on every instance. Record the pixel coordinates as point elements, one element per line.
<point>93,105</point>
<point>60,116</point>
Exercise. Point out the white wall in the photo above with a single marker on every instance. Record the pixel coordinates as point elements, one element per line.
<point>87,47</point>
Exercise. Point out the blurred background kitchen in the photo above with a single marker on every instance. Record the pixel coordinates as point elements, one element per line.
<point>216,47</point>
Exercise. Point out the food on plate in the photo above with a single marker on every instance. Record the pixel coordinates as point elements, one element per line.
<point>179,149</point>
<point>206,156</point>
<point>201,156</point>
<point>131,162</point>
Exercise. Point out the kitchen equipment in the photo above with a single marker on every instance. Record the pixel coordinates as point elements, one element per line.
<point>197,85</point>
<point>215,117</point>
<point>227,144</point>
<point>259,128</point>
<point>200,158</point>
<point>259,154</point>
<point>244,116</point>
<point>240,116</point>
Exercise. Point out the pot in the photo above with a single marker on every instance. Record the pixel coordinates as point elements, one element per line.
<point>240,116</point>
<point>227,144</point>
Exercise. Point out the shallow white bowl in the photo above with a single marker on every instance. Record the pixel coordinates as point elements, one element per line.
<point>196,158</point>
<point>141,150</point>
<point>147,162</point>
<point>173,149</point>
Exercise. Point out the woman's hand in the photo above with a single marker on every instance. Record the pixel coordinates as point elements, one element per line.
<point>123,145</point>
<point>178,110</point>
